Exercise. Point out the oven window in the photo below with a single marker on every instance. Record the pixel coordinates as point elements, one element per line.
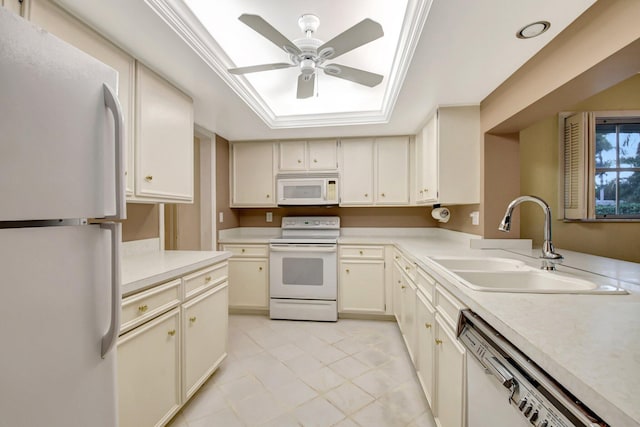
<point>302,191</point>
<point>302,271</point>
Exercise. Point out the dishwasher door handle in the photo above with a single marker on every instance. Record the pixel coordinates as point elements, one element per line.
<point>500,371</point>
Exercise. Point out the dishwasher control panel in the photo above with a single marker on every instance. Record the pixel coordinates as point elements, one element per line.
<point>532,394</point>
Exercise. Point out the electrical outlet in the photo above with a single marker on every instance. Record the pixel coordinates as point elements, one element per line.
<point>475,218</point>
<point>221,216</point>
<point>269,217</point>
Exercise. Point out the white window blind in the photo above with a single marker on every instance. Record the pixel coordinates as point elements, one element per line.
<point>576,143</point>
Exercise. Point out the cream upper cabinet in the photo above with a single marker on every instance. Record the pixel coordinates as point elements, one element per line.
<point>392,171</point>
<point>356,177</point>
<point>375,171</point>
<point>448,157</point>
<point>308,156</point>
<point>52,18</point>
<point>252,174</point>
<point>164,140</point>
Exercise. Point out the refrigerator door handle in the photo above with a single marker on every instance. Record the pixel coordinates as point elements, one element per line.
<point>112,103</point>
<point>110,338</point>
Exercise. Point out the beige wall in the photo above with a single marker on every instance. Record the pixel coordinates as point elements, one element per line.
<point>539,157</point>
<point>598,50</point>
<point>142,222</point>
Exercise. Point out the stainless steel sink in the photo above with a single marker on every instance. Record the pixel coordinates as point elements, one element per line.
<point>514,276</point>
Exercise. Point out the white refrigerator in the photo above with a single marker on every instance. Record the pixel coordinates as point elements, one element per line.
<point>61,166</point>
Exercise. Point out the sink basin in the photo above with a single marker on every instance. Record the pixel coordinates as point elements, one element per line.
<point>480,264</point>
<point>525,281</point>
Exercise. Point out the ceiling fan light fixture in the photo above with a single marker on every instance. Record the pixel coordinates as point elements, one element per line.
<point>307,66</point>
<point>308,22</point>
<point>533,30</point>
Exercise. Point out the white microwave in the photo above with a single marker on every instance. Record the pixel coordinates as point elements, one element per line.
<point>307,190</point>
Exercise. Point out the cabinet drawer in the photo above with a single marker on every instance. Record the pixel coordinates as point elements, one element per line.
<point>369,252</point>
<point>407,266</point>
<point>250,251</point>
<point>204,279</point>
<point>448,306</point>
<point>426,283</point>
<point>138,308</point>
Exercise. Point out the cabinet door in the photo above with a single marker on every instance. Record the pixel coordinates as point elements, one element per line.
<point>392,172</point>
<point>323,155</point>
<point>248,283</point>
<point>164,139</point>
<point>429,160</point>
<point>52,18</point>
<point>149,372</point>
<point>409,316</point>
<point>397,286</point>
<point>362,286</point>
<point>356,186</point>
<point>205,322</point>
<point>425,328</point>
<point>293,156</point>
<point>14,6</point>
<point>252,182</point>
<point>450,378</point>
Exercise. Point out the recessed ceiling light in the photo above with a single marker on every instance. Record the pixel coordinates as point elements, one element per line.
<point>533,30</point>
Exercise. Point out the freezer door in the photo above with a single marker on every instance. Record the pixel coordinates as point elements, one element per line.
<point>57,144</point>
<point>55,310</point>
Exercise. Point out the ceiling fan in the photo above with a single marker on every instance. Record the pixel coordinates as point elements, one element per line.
<point>309,53</point>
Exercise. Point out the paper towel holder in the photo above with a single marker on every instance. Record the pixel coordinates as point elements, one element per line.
<point>440,214</point>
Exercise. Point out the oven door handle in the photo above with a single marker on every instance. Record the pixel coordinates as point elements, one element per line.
<point>303,248</point>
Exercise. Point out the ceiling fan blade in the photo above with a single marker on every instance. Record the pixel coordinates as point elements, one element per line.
<point>306,85</point>
<point>263,67</point>
<point>353,74</point>
<point>362,33</point>
<point>265,29</point>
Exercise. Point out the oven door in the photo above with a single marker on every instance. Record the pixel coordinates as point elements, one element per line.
<point>303,271</point>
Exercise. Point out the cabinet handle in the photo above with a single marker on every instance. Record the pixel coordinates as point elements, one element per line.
<point>172,332</point>
<point>207,279</point>
<point>426,190</point>
<point>299,161</point>
<point>421,191</point>
<point>382,195</point>
<point>361,252</point>
<point>315,160</point>
<point>143,308</point>
<point>397,257</point>
<point>268,196</point>
<point>242,250</point>
<point>427,325</point>
<point>438,342</point>
<point>347,270</point>
<point>403,287</point>
<point>407,268</point>
<point>259,268</point>
<point>366,194</point>
<point>148,178</point>
<point>193,319</point>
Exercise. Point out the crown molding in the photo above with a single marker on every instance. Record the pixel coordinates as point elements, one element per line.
<point>178,16</point>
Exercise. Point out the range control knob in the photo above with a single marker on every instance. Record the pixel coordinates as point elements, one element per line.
<point>522,404</point>
<point>534,417</point>
<point>528,410</point>
<point>545,423</point>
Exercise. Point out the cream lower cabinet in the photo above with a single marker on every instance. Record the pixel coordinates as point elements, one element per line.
<point>450,377</point>
<point>149,372</point>
<point>248,276</point>
<point>405,294</point>
<point>205,323</point>
<point>361,280</point>
<point>425,335</point>
<point>173,337</point>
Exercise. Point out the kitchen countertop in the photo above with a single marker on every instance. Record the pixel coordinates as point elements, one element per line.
<point>143,270</point>
<point>588,343</point>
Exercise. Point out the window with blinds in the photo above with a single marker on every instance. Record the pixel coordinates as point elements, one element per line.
<point>601,157</point>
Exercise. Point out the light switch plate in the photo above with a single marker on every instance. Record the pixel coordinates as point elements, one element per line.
<point>221,216</point>
<point>269,217</point>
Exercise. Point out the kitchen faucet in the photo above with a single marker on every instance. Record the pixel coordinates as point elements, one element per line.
<point>549,256</point>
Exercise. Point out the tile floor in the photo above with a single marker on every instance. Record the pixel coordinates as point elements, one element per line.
<point>312,374</point>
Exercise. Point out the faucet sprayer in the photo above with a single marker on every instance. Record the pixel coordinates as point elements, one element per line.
<point>549,256</point>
